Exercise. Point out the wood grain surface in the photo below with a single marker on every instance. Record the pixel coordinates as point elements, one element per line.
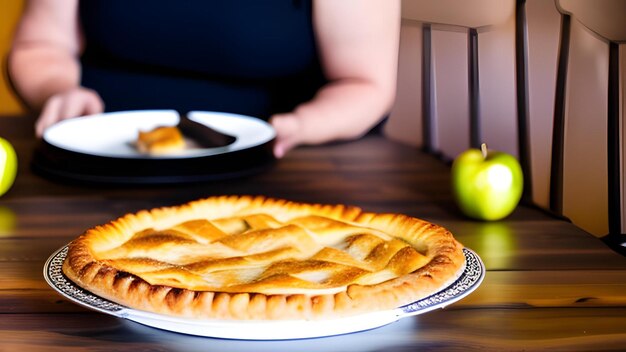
<point>549,285</point>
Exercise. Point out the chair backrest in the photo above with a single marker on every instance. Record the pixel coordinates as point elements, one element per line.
<point>456,78</point>
<point>575,109</point>
<point>542,80</point>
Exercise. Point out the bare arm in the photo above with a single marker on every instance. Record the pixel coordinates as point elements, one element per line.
<point>358,40</point>
<point>44,65</point>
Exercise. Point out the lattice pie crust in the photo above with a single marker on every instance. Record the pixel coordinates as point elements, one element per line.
<point>249,257</point>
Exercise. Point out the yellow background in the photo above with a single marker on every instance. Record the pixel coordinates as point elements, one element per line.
<point>9,13</point>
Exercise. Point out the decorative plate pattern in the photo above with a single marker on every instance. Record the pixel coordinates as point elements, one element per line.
<point>470,278</point>
<point>54,276</point>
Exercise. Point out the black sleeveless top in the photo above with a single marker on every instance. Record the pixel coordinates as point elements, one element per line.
<point>242,56</point>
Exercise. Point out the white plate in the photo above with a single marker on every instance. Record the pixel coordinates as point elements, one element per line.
<point>112,134</point>
<point>467,280</point>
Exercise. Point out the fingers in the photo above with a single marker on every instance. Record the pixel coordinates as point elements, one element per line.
<point>94,104</point>
<point>48,115</point>
<point>81,102</point>
<point>287,128</point>
<point>73,103</point>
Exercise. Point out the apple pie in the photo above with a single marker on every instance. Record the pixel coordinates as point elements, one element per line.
<point>160,140</point>
<point>252,257</point>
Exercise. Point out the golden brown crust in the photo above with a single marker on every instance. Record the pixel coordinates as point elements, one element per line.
<point>95,260</point>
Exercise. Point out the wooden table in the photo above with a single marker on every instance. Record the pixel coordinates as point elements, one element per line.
<point>549,285</point>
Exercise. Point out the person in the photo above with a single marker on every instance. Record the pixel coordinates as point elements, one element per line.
<point>318,70</point>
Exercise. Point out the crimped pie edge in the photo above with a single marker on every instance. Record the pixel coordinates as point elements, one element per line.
<point>446,257</point>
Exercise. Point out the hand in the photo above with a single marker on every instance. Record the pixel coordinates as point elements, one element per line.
<point>72,103</point>
<point>288,134</point>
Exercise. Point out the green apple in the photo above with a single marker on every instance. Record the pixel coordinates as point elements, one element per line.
<point>487,185</point>
<point>8,221</point>
<point>8,165</point>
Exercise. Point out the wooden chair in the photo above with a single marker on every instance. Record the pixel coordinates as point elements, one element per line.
<point>575,84</point>
<point>542,80</point>
<point>456,79</point>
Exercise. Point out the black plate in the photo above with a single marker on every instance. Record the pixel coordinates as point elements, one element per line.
<point>61,164</point>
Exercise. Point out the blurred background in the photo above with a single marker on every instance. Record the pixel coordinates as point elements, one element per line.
<point>540,79</point>
<point>9,14</point>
